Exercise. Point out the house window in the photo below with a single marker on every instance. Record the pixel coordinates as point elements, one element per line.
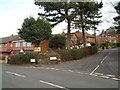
<point>17,44</point>
<point>29,44</point>
<point>5,45</point>
<point>0,45</point>
<point>23,44</point>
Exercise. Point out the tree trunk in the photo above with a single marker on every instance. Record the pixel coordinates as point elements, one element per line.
<point>95,37</point>
<point>83,31</point>
<point>68,34</point>
<point>83,35</point>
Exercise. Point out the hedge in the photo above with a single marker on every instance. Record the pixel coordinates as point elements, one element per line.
<point>63,54</point>
<point>23,58</point>
<point>75,54</point>
<point>78,53</point>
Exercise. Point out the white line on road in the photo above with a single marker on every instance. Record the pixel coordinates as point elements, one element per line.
<point>116,79</point>
<point>94,70</point>
<point>99,64</point>
<point>15,74</point>
<point>99,73</point>
<point>110,75</point>
<point>70,70</point>
<point>104,76</point>
<point>53,85</point>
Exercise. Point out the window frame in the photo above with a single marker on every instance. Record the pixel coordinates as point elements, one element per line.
<point>17,44</point>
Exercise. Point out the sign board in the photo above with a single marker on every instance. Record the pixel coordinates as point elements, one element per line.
<point>37,49</point>
<point>53,58</point>
<point>32,60</point>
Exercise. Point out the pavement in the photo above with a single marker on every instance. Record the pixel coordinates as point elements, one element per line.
<point>96,71</point>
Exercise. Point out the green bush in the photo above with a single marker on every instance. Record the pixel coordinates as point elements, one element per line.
<point>118,44</point>
<point>65,55</point>
<point>57,41</point>
<point>78,53</point>
<point>92,44</point>
<point>23,58</point>
<point>102,46</point>
<point>87,50</point>
<point>106,45</point>
<point>94,49</point>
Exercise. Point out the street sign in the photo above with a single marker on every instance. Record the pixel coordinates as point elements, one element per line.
<point>37,49</point>
<point>32,60</point>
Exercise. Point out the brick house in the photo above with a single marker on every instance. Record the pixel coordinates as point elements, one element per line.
<point>14,44</point>
<point>105,37</point>
<point>76,38</point>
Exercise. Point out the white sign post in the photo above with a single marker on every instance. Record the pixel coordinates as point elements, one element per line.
<point>32,60</point>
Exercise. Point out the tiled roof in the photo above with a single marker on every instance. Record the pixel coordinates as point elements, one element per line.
<point>10,38</point>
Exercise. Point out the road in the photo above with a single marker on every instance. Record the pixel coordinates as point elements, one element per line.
<point>97,71</point>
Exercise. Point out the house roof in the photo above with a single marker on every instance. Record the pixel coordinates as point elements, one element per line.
<point>10,38</point>
<point>78,33</point>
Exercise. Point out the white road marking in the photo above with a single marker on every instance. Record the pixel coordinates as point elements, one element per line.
<point>99,64</point>
<point>70,70</point>
<point>94,70</point>
<point>104,76</point>
<point>116,79</point>
<point>99,73</point>
<point>15,74</point>
<point>105,57</point>
<point>57,69</point>
<point>53,84</point>
<point>94,75</point>
<point>110,75</point>
<point>101,61</point>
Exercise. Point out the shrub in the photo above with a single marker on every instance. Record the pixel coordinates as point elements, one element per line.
<point>23,58</point>
<point>65,55</point>
<point>78,53</point>
<point>57,41</point>
<point>118,44</point>
<point>92,44</point>
<point>94,49</point>
<point>106,45</point>
<point>102,46</point>
<point>87,50</point>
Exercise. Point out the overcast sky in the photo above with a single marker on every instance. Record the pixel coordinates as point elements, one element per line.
<point>13,13</point>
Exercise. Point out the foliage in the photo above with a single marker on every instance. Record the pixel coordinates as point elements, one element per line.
<point>78,53</point>
<point>65,54</point>
<point>87,13</point>
<point>92,44</point>
<point>52,53</point>
<point>57,41</point>
<point>106,45</point>
<point>35,30</point>
<point>118,44</point>
<point>75,54</point>
<point>72,12</point>
<point>111,31</point>
<point>117,18</point>
<point>94,49</point>
<point>57,12</point>
<point>23,58</point>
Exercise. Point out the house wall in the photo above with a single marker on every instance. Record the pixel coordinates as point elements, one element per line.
<point>44,45</point>
<point>118,38</point>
